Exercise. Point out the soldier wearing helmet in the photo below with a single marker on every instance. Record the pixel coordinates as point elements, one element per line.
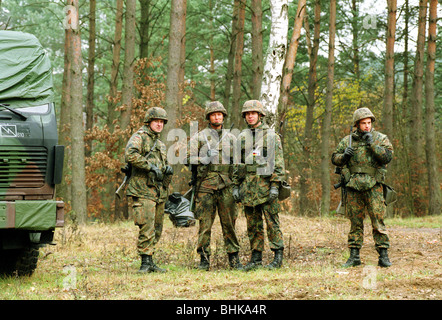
<point>213,148</point>
<point>364,165</point>
<point>258,188</point>
<point>148,186</point>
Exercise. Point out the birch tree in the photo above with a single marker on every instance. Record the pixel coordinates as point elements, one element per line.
<point>275,58</point>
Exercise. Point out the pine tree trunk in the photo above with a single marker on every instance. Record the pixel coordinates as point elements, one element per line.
<point>129,57</point>
<point>79,206</point>
<point>116,49</point>
<point>291,55</point>
<point>389,70</point>
<point>237,66</point>
<point>325,158</point>
<point>176,34</point>
<point>304,203</point>
<point>257,55</point>
<point>90,74</point>
<point>430,129</point>
<point>416,149</point>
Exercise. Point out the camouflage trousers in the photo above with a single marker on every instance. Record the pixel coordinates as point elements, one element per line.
<point>358,202</point>
<point>206,205</point>
<point>148,216</point>
<point>255,226</point>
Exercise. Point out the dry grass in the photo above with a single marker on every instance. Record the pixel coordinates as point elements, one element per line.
<point>101,260</point>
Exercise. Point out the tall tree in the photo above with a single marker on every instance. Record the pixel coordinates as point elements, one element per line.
<point>90,74</point>
<point>326,121</point>
<point>231,58</point>
<point>416,149</point>
<point>237,66</point>
<point>77,132</point>
<point>275,58</point>
<point>430,146</point>
<point>291,54</point>
<point>129,57</point>
<point>389,70</point>
<point>257,55</point>
<point>304,206</point>
<point>176,34</point>
<point>116,49</point>
<point>63,189</point>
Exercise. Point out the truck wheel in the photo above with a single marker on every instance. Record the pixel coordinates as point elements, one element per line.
<point>21,262</point>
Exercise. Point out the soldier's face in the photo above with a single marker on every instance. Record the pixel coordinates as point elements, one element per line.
<point>157,125</point>
<point>365,124</point>
<point>252,118</point>
<point>216,119</point>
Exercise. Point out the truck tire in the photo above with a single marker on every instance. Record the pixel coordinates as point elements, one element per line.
<point>20,262</point>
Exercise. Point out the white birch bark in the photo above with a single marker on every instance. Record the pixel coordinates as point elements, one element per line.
<point>273,69</point>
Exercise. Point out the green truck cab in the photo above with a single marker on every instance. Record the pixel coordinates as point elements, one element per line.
<point>31,161</point>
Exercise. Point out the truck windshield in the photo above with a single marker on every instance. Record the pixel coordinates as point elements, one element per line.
<point>42,109</point>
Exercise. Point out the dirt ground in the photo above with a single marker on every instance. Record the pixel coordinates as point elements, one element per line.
<point>102,260</point>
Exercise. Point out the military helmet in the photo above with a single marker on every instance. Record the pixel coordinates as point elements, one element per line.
<point>362,113</point>
<point>155,113</point>
<point>253,105</point>
<point>215,106</point>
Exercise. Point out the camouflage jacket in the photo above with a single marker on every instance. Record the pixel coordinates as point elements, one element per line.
<point>216,174</point>
<point>368,165</point>
<point>142,182</point>
<point>262,164</point>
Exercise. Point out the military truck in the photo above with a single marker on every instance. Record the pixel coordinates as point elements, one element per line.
<point>31,161</point>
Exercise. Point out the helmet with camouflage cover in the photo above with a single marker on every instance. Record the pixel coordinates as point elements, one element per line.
<point>362,113</point>
<point>253,105</point>
<point>155,113</point>
<point>215,106</point>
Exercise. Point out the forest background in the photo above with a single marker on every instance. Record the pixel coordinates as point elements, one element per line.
<point>114,59</point>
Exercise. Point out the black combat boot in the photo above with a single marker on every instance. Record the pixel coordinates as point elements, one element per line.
<point>205,262</point>
<point>147,265</point>
<point>354,259</point>
<point>277,260</point>
<point>234,261</point>
<point>383,258</point>
<point>255,261</point>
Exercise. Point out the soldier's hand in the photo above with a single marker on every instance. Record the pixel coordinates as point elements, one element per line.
<point>212,153</point>
<point>274,193</point>
<point>235,194</point>
<point>158,173</point>
<point>168,170</point>
<point>368,137</point>
<point>348,153</point>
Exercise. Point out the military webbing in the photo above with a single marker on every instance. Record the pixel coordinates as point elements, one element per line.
<point>368,170</point>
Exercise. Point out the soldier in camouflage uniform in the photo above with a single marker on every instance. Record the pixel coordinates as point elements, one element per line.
<point>364,167</point>
<point>213,160</point>
<point>148,185</point>
<point>257,183</point>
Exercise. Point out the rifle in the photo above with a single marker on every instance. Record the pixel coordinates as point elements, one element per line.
<point>127,170</point>
<point>193,168</point>
<point>341,209</point>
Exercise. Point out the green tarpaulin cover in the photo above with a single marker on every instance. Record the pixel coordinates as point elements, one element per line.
<point>25,71</point>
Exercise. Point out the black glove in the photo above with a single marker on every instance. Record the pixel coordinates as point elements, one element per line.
<point>368,137</point>
<point>158,173</point>
<point>235,194</point>
<point>348,153</point>
<point>168,170</point>
<point>274,193</point>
